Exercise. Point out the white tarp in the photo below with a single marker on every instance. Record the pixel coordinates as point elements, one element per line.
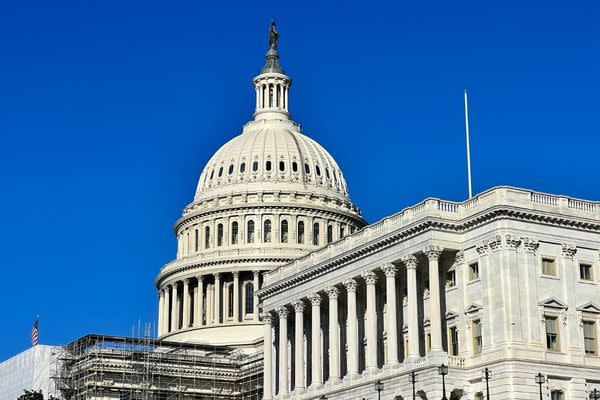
<point>31,370</point>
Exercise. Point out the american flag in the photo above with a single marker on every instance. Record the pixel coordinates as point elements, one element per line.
<point>34,331</point>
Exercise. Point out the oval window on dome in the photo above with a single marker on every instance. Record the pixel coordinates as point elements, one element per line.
<point>316,169</point>
<point>242,167</point>
<point>306,168</point>
<point>327,173</point>
<point>231,169</point>
<point>295,166</point>
<point>212,174</point>
<point>220,172</point>
<point>268,166</point>
<point>281,166</point>
<point>255,166</point>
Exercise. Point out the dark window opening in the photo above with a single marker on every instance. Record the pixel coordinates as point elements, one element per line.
<point>268,166</point>
<point>295,166</point>
<point>281,166</point>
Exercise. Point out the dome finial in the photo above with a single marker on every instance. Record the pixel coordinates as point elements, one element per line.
<point>272,58</point>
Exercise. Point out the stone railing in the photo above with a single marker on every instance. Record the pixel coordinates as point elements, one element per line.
<point>436,208</point>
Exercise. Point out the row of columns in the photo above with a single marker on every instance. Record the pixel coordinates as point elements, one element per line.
<point>207,298</point>
<point>277,99</point>
<point>369,277</point>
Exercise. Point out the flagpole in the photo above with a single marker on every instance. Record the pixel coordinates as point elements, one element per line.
<point>468,144</point>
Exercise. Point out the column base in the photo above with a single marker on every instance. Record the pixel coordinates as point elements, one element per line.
<point>333,382</point>
<point>297,392</point>
<point>315,386</point>
<point>437,356</point>
<point>350,377</point>
<point>391,365</point>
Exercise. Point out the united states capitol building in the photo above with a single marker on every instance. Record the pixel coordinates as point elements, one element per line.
<point>277,269</point>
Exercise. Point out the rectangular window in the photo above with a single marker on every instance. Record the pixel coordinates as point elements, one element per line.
<point>556,395</point>
<point>453,341</point>
<point>585,272</point>
<point>589,337</point>
<point>450,279</point>
<point>427,343</point>
<point>477,339</point>
<point>552,336</point>
<point>548,267</point>
<point>473,271</point>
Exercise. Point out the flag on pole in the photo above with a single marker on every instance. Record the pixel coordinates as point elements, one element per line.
<point>34,331</point>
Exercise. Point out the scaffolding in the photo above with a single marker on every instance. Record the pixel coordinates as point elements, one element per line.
<point>112,367</point>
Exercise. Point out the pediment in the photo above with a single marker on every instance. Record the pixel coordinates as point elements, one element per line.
<point>553,302</point>
<point>473,309</point>
<point>589,308</point>
<point>451,315</point>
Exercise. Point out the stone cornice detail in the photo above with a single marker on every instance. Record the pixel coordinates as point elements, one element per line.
<point>568,250</point>
<point>530,245</point>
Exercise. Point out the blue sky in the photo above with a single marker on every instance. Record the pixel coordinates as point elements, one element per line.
<point>109,110</point>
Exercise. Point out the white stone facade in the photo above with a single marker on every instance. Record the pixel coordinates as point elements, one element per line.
<point>515,288</point>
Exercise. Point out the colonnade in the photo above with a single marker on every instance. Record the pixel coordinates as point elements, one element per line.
<point>331,347</point>
<point>272,95</point>
<point>208,299</point>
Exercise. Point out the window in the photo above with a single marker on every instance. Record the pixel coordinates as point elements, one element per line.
<point>230,298</point>
<point>477,339</point>
<point>318,169</point>
<point>329,233</point>
<point>327,173</point>
<point>268,165</point>
<point>453,341</point>
<point>267,231</point>
<point>473,271</point>
<point>220,235</point>
<point>196,239</point>
<point>479,396</point>
<point>242,168</point>
<point>427,342</point>
<point>316,234</point>
<point>552,336</point>
<point>589,337</point>
<point>220,172</point>
<point>295,166</point>
<point>255,166</point>
<point>250,298</point>
<point>230,169</point>
<point>301,232</point>
<point>234,233</point>
<point>548,267</point>
<point>250,231</point>
<point>342,233</point>
<point>281,166</point>
<point>284,231</point>
<point>212,173</point>
<point>307,168</point>
<point>450,279</point>
<point>206,237</point>
<point>585,272</point>
<point>557,395</point>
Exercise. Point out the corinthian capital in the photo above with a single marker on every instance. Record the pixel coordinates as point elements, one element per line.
<point>530,245</point>
<point>298,305</point>
<point>332,292</point>
<point>459,257</point>
<point>369,277</point>
<point>512,242</point>
<point>315,299</point>
<point>410,261</point>
<point>389,269</point>
<point>282,311</point>
<point>350,284</point>
<point>482,248</point>
<point>433,251</point>
<point>568,250</point>
<point>267,318</point>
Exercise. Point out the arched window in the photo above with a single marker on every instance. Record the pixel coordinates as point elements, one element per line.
<point>306,169</point>
<point>317,168</point>
<point>196,239</point>
<point>250,231</point>
<point>281,166</point>
<point>230,169</point>
<point>255,166</point>
<point>234,233</point>
<point>329,233</point>
<point>207,237</point>
<point>284,231</point>
<point>230,297</point>
<point>295,166</point>
<point>267,231</point>
<point>242,168</point>
<point>212,173</point>
<point>316,234</point>
<point>220,172</point>
<point>342,233</point>
<point>301,232</point>
<point>250,298</point>
<point>268,165</point>
<point>220,235</point>
<point>327,173</point>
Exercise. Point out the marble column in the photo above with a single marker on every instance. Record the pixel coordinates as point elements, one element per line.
<point>186,303</point>
<point>351,328</point>
<point>255,303</point>
<point>299,307</point>
<point>435,312</point>
<point>167,319</point>
<point>175,308</point>
<point>199,302</point>
<point>161,305</point>
<point>217,301</point>
<point>284,388</point>
<point>236,296</point>
<point>334,335</point>
<point>410,261</point>
<point>316,373</point>
<point>371,330</point>
<point>391,324</point>
<point>268,356</point>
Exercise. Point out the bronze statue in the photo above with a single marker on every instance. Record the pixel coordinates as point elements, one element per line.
<point>273,35</point>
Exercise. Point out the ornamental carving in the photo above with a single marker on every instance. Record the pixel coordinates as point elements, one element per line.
<point>530,245</point>
<point>433,251</point>
<point>482,248</point>
<point>350,284</point>
<point>282,311</point>
<point>410,261</point>
<point>512,242</point>
<point>568,250</point>
<point>332,292</point>
<point>315,299</point>
<point>267,318</point>
<point>298,305</point>
<point>369,277</point>
<point>495,243</point>
<point>459,257</point>
<point>389,269</point>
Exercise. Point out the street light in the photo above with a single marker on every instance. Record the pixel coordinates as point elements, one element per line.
<point>540,379</point>
<point>595,394</point>
<point>379,388</point>
<point>323,397</point>
<point>487,375</point>
<point>443,371</point>
<point>413,379</point>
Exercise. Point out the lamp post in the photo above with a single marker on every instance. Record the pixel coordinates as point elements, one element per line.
<point>595,394</point>
<point>443,371</point>
<point>379,388</point>
<point>413,379</point>
<point>487,374</point>
<point>323,397</point>
<point>540,379</point>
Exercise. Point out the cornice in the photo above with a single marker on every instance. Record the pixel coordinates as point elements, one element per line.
<point>429,223</point>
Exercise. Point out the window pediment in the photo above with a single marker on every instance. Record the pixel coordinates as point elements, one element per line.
<point>473,309</point>
<point>589,308</point>
<point>554,303</point>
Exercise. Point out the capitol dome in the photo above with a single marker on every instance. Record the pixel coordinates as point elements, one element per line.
<point>267,197</point>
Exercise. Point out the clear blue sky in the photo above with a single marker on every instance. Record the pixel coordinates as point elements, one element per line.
<point>109,110</point>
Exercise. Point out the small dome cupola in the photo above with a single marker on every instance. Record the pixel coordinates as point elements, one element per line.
<point>272,85</point>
